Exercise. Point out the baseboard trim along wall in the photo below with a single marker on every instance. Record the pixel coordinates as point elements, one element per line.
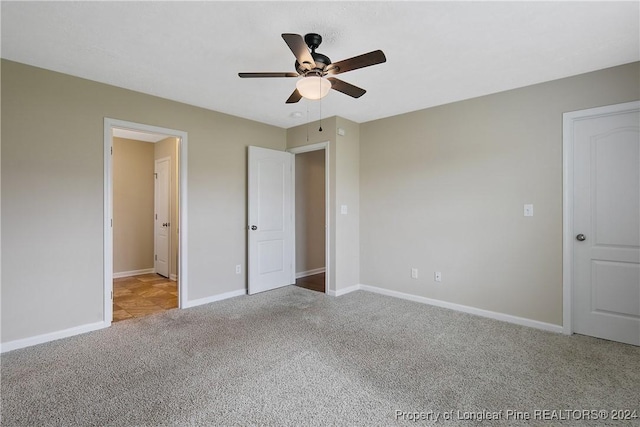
<point>310,272</point>
<point>52,336</point>
<point>457,307</point>
<point>214,298</point>
<point>66,333</point>
<point>173,277</point>
<point>133,273</point>
<point>344,291</point>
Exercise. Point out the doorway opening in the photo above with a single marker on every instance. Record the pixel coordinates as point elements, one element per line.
<point>311,216</point>
<point>145,220</point>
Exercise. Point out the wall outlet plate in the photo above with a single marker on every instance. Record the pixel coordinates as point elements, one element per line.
<point>437,276</point>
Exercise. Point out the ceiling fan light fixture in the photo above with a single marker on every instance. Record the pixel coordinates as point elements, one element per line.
<point>313,87</point>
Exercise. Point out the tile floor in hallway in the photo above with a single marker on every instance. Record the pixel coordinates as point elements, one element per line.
<point>139,296</point>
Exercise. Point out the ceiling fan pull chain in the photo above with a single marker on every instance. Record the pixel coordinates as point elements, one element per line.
<point>320,130</point>
<point>307,120</point>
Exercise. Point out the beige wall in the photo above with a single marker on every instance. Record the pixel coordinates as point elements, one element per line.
<point>133,205</point>
<point>310,210</point>
<point>168,147</point>
<point>348,193</point>
<point>443,190</point>
<point>52,194</point>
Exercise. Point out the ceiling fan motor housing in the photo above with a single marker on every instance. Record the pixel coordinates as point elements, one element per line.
<point>322,62</point>
<point>314,40</point>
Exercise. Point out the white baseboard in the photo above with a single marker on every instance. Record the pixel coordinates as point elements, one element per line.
<point>52,336</point>
<point>457,307</point>
<point>214,298</point>
<point>133,273</point>
<point>310,272</point>
<point>173,277</point>
<point>344,291</point>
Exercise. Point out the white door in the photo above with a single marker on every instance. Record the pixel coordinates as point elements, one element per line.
<point>271,233</point>
<point>162,215</point>
<point>606,223</point>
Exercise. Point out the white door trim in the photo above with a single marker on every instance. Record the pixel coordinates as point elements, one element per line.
<point>109,124</point>
<point>568,120</point>
<point>327,189</point>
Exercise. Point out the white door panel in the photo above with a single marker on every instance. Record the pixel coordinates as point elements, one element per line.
<point>162,216</point>
<point>271,232</point>
<point>606,210</point>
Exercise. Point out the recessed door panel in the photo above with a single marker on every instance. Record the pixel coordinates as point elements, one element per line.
<point>614,288</point>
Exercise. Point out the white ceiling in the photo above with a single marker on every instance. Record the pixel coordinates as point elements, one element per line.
<point>437,52</point>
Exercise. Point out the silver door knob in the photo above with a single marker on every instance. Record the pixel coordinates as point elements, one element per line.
<point>581,237</point>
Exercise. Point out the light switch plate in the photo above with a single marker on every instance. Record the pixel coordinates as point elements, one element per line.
<point>528,210</point>
<point>343,209</point>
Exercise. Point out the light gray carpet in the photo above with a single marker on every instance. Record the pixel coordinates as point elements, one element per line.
<point>297,357</point>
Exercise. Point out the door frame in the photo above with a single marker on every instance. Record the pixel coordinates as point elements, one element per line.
<point>568,120</point>
<point>155,207</point>
<point>327,217</point>
<point>109,125</point>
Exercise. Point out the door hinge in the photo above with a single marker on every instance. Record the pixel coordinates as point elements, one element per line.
<point>156,257</point>
<point>156,175</point>
<point>156,216</point>
<point>111,294</point>
<point>111,222</point>
<point>112,151</point>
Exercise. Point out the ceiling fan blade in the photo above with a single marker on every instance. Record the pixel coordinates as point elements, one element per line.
<point>361,61</point>
<point>300,50</point>
<point>346,88</point>
<point>250,75</point>
<point>295,97</point>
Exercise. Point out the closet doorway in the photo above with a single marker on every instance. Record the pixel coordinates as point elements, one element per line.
<point>311,205</point>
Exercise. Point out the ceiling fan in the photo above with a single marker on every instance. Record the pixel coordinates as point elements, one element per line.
<point>312,67</point>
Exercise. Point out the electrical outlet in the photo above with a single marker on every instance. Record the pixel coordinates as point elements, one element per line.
<point>437,276</point>
<point>414,273</point>
<point>238,269</point>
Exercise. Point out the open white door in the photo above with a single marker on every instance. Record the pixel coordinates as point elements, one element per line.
<point>606,222</point>
<point>162,222</point>
<point>271,232</point>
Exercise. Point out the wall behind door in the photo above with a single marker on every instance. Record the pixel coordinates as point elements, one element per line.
<point>133,188</point>
<point>310,211</point>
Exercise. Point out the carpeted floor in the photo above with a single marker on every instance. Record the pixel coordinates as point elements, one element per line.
<point>298,357</point>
